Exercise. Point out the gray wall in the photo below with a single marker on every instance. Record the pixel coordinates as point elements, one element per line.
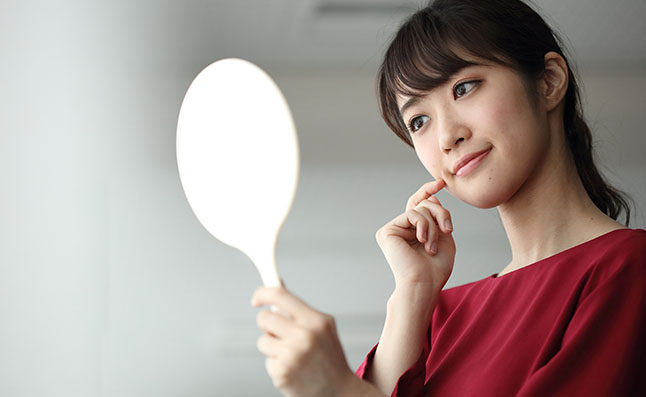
<point>109,286</point>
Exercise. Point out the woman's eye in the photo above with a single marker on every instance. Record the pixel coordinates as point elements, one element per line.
<point>464,88</point>
<point>417,122</point>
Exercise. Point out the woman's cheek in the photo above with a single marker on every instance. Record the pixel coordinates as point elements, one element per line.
<point>430,162</point>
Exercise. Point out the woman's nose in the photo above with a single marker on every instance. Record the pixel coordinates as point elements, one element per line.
<point>452,133</point>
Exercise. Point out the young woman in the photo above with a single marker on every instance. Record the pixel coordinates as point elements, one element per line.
<point>485,95</point>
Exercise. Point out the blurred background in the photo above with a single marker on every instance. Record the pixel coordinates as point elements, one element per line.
<point>109,286</point>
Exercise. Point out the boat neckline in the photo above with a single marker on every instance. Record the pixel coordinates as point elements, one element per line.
<point>565,251</point>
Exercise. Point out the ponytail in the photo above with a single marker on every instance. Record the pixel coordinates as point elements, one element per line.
<point>608,199</point>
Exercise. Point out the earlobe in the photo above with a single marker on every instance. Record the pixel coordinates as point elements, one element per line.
<point>555,79</point>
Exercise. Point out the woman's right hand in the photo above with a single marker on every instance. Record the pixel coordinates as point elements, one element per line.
<point>418,244</point>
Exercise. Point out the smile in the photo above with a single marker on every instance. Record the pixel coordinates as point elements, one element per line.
<point>472,164</point>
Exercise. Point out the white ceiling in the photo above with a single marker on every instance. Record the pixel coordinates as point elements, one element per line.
<point>352,34</point>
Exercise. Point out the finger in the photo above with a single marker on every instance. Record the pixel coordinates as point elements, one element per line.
<point>432,230</point>
<point>277,371</point>
<point>284,301</point>
<point>428,189</point>
<point>270,346</point>
<point>415,220</point>
<point>414,225</point>
<point>407,232</point>
<point>421,225</point>
<point>440,214</point>
<point>273,323</point>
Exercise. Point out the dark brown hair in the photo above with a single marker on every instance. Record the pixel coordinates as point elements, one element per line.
<point>424,54</point>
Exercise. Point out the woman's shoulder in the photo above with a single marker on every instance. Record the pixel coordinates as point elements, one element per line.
<point>619,244</point>
<point>619,253</point>
<point>625,233</point>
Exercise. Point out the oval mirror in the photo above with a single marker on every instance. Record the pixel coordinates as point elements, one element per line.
<point>238,161</point>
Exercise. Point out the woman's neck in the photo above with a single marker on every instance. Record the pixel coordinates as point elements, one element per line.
<point>551,212</point>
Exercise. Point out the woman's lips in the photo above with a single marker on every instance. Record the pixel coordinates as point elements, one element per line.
<point>472,164</point>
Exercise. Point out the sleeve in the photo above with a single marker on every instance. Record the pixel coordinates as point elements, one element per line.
<point>411,382</point>
<point>603,350</point>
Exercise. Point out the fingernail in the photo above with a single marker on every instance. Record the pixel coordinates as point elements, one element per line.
<point>434,247</point>
<point>448,225</point>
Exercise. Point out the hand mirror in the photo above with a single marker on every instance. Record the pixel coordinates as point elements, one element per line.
<point>238,161</point>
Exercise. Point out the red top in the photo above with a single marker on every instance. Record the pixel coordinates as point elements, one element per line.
<point>572,324</point>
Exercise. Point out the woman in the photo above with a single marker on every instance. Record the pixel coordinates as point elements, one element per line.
<point>485,95</point>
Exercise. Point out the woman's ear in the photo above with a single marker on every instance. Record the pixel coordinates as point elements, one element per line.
<point>554,81</point>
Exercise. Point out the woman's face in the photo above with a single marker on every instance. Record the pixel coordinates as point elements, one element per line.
<point>479,132</point>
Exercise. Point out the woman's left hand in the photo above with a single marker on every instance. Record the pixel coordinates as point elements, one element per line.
<point>304,354</point>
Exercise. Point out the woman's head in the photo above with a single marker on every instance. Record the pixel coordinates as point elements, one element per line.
<point>449,37</point>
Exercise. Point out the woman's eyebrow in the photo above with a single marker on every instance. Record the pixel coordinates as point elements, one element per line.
<point>412,101</point>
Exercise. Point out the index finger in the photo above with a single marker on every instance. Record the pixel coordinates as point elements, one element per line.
<point>283,300</point>
<point>427,190</point>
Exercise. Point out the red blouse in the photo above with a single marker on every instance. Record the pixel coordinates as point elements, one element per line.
<point>573,324</point>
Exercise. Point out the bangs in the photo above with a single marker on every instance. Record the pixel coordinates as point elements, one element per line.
<point>427,51</point>
<point>417,65</point>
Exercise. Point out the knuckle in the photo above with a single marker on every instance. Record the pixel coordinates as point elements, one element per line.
<point>379,233</point>
<point>435,208</point>
<point>412,201</point>
<point>324,323</point>
<point>412,212</point>
<point>421,217</point>
<point>441,213</point>
<point>261,317</point>
<point>280,381</point>
<point>382,234</point>
<point>260,343</point>
<point>423,209</point>
<point>320,324</point>
<point>426,204</point>
<point>331,324</point>
<point>276,372</point>
<point>281,373</point>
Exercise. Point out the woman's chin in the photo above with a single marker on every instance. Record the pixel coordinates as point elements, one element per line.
<point>482,198</point>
